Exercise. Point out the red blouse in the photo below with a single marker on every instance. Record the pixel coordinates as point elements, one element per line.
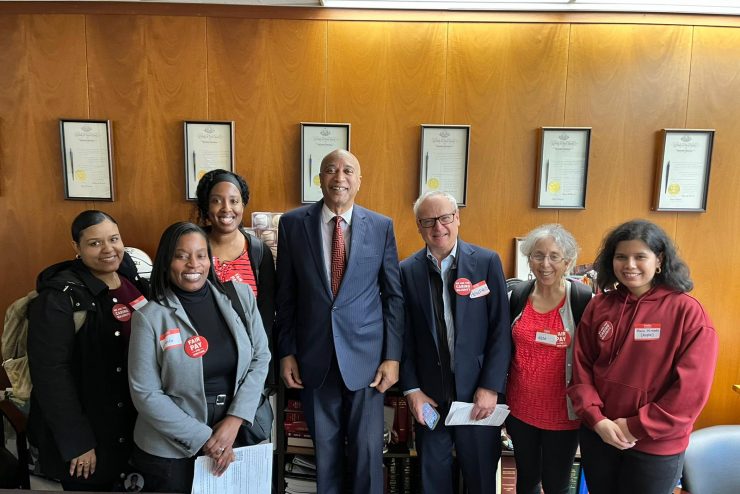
<point>536,389</point>
<point>239,270</point>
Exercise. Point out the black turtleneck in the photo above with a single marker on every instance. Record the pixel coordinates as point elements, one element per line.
<point>219,362</point>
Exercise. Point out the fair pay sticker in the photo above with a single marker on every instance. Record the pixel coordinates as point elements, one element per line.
<point>196,346</point>
<point>647,332</point>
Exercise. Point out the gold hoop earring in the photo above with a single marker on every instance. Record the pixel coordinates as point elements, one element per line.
<point>658,270</point>
<point>77,256</point>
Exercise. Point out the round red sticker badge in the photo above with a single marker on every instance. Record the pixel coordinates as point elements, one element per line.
<point>121,312</point>
<point>463,286</point>
<point>196,346</point>
<point>606,330</point>
<point>563,339</point>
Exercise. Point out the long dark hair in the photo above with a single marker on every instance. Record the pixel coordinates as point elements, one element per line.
<point>160,279</point>
<point>674,273</point>
<point>86,219</point>
<point>206,183</point>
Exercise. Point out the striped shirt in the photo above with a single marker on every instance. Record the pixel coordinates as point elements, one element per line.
<point>239,270</point>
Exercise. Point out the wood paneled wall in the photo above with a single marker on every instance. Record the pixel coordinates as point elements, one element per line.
<point>268,70</point>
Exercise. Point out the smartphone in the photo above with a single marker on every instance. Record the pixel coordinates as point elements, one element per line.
<point>431,416</point>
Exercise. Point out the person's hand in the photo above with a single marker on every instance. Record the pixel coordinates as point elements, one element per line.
<point>290,373</point>
<point>223,461</point>
<point>83,465</point>
<point>220,445</point>
<point>622,424</point>
<point>484,403</point>
<point>416,402</point>
<point>386,375</point>
<point>611,434</point>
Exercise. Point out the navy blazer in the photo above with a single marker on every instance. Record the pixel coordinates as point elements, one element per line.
<point>482,332</point>
<point>364,324</point>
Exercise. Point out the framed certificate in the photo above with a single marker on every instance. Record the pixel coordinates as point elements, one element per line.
<point>87,159</point>
<point>444,160</point>
<point>318,140</point>
<point>521,264</point>
<point>208,146</point>
<point>563,167</point>
<point>682,177</point>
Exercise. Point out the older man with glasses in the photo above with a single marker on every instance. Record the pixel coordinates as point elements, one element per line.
<point>457,346</point>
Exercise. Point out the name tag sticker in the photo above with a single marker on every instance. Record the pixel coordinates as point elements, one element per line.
<point>647,332</point>
<point>170,339</point>
<point>480,289</point>
<point>546,338</point>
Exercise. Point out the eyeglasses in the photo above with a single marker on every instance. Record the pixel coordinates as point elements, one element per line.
<point>445,219</point>
<point>554,258</point>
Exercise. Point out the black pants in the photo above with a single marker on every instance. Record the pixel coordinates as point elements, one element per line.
<point>612,471</point>
<point>176,474</point>
<point>542,456</point>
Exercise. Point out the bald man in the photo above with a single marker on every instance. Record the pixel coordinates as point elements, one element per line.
<point>340,324</point>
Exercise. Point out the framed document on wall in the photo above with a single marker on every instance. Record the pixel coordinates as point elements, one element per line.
<point>521,263</point>
<point>682,177</point>
<point>318,140</point>
<point>563,167</point>
<point>444,160</point>
<point>208,146</point>
<point>87,159</point>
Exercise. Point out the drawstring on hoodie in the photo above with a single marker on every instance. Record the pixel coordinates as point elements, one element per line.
<point>613,355</point>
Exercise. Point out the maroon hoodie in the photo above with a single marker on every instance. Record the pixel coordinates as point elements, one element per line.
<point>648,359</point>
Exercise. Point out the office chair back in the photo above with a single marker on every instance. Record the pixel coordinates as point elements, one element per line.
<point>712,462</point>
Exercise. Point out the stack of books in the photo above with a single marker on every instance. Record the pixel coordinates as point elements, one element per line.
<point>296,429</point>
<point>300,475</point>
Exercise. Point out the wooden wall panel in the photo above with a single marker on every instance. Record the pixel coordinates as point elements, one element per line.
<point>43,78</point>
<point>387,79</point>
<point>627,82</point>
<point>149,76</point>
<point>505,81</point>
<point>708,241</point>
<point>267,76</point>
<point>148,73</point>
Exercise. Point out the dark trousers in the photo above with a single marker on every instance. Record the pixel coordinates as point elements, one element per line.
<point>334,413</point>
<point>478,449</point>
<point>542,456</point>
<point>175,474</point>
<point>612,471</point>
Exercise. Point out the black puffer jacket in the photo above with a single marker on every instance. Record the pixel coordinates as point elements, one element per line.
<point>80,398</point>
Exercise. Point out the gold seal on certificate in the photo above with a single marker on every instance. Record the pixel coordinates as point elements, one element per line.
<point>563,170</point>
<point>444,160</point>
<point>318,140</point>
<point>208,146</point>
<point>87,159</point>
<point>682,177</point>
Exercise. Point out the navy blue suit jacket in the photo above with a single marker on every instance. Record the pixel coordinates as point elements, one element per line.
<point>482,328</point>
<point>364,324</point>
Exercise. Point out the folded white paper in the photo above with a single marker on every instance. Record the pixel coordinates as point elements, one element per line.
<point>460,415</point>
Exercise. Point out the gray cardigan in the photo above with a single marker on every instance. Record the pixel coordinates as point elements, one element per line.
<point>167,385</point>
<point>566,316</point>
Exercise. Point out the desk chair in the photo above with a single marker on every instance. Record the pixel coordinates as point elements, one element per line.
<point>712,463</point>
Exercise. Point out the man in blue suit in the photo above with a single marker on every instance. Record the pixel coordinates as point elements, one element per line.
<point>457,346</point>
<point>340,324</point>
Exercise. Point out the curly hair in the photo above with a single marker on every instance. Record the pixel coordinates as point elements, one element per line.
<point>674,273</point>
<point>562,238</point>
<point>208,181</point>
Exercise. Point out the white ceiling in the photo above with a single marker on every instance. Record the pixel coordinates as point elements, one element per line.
<point>731,7</point>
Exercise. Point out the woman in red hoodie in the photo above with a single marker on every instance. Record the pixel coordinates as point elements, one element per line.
<point>644,361</point>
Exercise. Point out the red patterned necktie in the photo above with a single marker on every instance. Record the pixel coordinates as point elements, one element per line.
<point>338,257</point>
